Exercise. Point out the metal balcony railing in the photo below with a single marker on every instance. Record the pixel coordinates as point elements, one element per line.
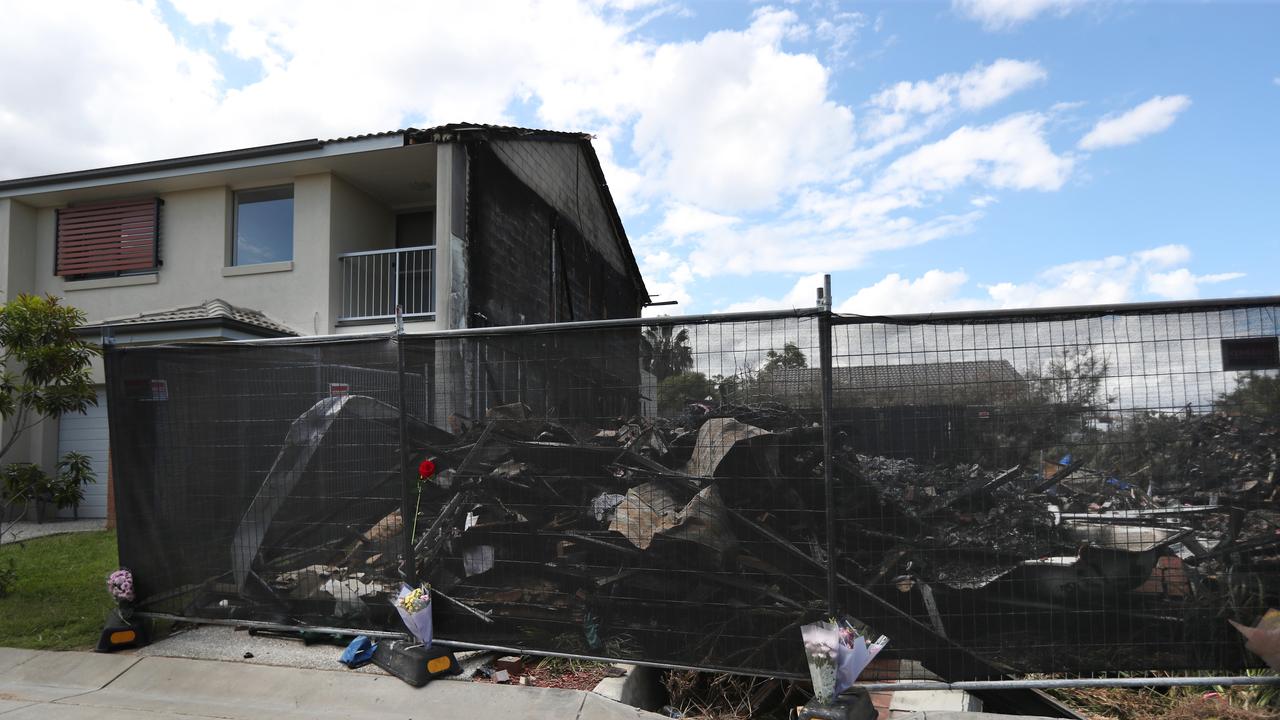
<point>376,281</point>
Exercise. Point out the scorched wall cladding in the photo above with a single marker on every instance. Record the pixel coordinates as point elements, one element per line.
<point>530,262</point>
<point>560,174</point>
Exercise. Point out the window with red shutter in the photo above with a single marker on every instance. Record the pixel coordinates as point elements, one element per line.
<point>108,238</point>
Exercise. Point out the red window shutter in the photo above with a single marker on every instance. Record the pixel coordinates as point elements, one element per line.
<point>108,237</point>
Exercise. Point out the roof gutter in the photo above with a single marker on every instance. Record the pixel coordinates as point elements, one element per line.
<point>168,164</point>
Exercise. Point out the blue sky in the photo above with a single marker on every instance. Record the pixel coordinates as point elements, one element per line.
<point>943,155</point>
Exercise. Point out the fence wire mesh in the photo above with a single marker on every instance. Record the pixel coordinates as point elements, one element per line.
<point>1072,494</point>
<point>1069,494</point>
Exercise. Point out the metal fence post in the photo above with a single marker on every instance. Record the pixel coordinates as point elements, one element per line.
<point>828,452</point>
<point>408,508</point>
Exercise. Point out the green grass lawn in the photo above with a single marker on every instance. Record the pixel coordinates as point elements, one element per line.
<point>60,600</point>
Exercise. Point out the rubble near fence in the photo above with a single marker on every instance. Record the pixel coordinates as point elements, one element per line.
<point>1123,538</point>
<point>613,541</point>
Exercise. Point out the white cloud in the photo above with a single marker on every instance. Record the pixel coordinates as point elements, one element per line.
<point>1181,284</point>
<point>709,136</point>
<point>1149,118</point>
<point>1012,153</point>
<point>91,98</point>
<point>682,220</point>
<point>1006,14</point>
<point>980,87</point>
<point>730,121</point>
<point>1165,255</point>
<point>933,291</point>
<point>804,294</point>
<point>1114,279</point>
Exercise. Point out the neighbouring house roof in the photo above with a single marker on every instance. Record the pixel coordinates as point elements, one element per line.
<point>969,382</point>
<point>209,312</point>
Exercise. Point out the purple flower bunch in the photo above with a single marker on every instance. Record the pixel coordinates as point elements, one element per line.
<point>120,585</point>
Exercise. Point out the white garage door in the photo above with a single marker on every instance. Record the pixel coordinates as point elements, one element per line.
<point>87,434</point>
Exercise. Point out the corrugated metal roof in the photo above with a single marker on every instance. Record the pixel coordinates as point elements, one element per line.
<point>216,309</point>
<point>508,131</point>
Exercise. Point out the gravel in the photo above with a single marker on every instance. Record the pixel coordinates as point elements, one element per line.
<point>27,530</point>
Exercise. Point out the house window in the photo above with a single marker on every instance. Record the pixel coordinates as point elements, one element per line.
<point>263,226</point>
<point>108,239</point>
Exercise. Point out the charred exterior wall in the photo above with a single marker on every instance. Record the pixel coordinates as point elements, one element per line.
<point>542,247</point>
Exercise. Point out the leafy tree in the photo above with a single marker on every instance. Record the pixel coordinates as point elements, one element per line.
<point>791,358</point>
<point>665,352</point>
<point>45,374</point>
<point>1052,411</point>
<point>675,391</point>
<point>1257,395</point>
<point>1072,381</point>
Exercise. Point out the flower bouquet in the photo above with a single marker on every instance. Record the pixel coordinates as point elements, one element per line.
<point>854,653</point>
<point>414,606</point>
<point>120,586</point>
<point>837,652</point>
<point>821,643</point>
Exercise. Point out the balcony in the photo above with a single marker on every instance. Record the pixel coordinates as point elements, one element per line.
<point>376,281</point>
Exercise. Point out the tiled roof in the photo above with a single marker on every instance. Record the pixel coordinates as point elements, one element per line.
<point>970,381</point>
<point>366,136</point>
<point>215,309</point>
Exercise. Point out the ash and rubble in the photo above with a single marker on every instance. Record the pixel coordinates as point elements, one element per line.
<point>701,540</point>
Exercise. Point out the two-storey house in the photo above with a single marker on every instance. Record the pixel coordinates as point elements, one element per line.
<point>459,225</point>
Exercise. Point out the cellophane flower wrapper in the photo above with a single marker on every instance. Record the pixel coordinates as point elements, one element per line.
<point>418,623</point>
<point>853,654</point>
<point>821,652</point>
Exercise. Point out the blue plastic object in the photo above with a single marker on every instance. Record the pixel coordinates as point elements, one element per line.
<point>359,652</point>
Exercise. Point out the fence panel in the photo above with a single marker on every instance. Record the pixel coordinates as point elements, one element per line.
<point>259,482</point>
<point>1073,494</point>
<point>602,499</point>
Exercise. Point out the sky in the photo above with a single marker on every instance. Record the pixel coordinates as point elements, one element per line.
<point>928,155</point>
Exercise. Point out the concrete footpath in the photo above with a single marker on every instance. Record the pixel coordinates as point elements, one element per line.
<point>74,685</point>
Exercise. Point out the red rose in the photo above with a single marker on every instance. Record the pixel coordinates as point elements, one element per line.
<point>426,469</point>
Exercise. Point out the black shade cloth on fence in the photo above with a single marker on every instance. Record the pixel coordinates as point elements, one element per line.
<point>1070,493</point>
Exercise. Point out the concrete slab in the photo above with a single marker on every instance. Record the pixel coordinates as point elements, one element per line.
<point>12,657</point>
<point>47,676</point>
<point>908,701</point>
<point>595,707</point>
<point>233,690</point>
<point>42,711</point>
<point>7,705</point>
<point>218,642</point>
<point>955,715</point>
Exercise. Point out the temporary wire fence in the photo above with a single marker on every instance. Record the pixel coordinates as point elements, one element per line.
<point>1070,492</point>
